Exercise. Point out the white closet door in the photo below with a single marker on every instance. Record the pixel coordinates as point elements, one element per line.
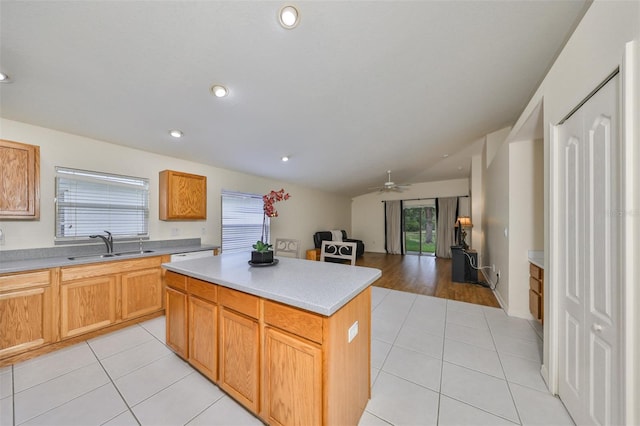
<point>590,270</point>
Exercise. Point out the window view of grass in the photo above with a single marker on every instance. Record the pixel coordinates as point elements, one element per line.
<point>420,229</point>
<point>412,242</point>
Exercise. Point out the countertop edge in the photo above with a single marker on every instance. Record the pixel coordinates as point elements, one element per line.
<point>319,309</point>
<point>59,262</point>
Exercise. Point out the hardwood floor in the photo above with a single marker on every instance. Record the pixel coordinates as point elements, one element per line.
<point>425,275</point>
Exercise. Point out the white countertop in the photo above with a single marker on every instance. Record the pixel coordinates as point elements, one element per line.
<point>319,287</point>
<point>537,258</point>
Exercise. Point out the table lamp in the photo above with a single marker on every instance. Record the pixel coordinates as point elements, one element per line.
<point>464,222</point>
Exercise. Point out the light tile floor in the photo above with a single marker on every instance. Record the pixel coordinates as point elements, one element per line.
<point>434,361</point>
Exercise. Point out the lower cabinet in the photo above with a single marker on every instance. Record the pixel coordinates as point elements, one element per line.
<point>38,308</point>
<point>292,380</point>
<point>97,295</point>
<point>240,347</point>
<point>176,321</point>
<point>239,352</point>
<point>286,365</point>
<point>87,305</point>
<point>26,311</point>
<point>141,292</point>
<point>192,322</point>
<point>536,292</point>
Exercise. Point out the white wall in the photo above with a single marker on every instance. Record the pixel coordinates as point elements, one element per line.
<point>595,49</point>
<point>306,212</point>
<point>367,211</point>
<point>477,206</point>
<point>526,229</point>
<point>496,216</point>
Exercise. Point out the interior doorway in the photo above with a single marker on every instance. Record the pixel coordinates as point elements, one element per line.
<point>419,232</point>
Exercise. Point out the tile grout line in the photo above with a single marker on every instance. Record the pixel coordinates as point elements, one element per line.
<point>515,405</point>
<point>114,386</point>
<point>394,342</point>
<point>444,339</point>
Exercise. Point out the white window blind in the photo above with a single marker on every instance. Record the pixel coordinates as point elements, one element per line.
<point>241,221</point>
<point>88,203</point>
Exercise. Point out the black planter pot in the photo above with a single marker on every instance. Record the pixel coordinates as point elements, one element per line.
<point>262,257</point>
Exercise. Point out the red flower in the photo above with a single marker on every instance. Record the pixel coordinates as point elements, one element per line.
<point>269,210</point>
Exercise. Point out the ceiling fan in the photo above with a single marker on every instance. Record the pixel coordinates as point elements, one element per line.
<point>389,185</point>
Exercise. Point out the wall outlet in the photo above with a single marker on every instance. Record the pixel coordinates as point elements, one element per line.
<point>353,331</point>
<point>493,267</point>
<point>175,232</point>
<point>1,236</point>
<point>203,231</point>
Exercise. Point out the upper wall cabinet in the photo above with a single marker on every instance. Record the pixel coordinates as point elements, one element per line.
<point>183,196</point>
<point>19,180</point>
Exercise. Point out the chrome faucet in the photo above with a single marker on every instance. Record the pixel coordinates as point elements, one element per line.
<point>108,240</point>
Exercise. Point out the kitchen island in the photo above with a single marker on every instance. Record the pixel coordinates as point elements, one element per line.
<point>291,342</point>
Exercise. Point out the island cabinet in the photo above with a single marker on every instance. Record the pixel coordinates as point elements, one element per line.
<point>240,346</point>
<point>192,322</point>
<point>203,327</point>
<point>27,314</point>
<point>287,365</point>
<point>97,295</point>
<point>292,366</point>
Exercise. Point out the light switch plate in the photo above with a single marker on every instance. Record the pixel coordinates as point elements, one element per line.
<point>353,331</point>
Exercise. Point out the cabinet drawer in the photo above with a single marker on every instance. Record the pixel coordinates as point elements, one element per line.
<point>296,321</point>
<point>114,267</point>
<point>535,271</point>
<point>535,285</point>
<point>202,289</point>
<point>29,279</point>
<point>239,302</point>
<point>174,280</point>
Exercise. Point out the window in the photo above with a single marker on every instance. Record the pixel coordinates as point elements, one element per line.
<point>88,203</point>
<point>242,216</point>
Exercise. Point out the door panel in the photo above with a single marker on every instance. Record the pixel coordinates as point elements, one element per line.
<point>589,337</point>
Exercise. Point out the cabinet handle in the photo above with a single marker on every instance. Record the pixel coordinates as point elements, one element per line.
<point>597,328</point>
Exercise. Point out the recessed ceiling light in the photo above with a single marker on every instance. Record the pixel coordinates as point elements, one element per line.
<point>285,158</point>
<point>219,91</point>
<point>4,78</point>
<point>459,167</point>
<point>445,155</point>
<point>176,133</point>
<point>289,17</point>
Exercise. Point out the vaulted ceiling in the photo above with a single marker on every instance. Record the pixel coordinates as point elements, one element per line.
<point>357,88</point>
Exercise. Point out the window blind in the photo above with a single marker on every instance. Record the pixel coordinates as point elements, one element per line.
<point>242,215</point>
<point>88,203</point>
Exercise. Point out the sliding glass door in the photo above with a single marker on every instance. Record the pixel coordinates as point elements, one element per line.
<point>420,227</point>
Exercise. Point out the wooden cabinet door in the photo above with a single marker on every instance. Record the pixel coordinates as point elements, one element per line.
<point>87,305</point>
<point>25,312</point>
<point>141,292</point>
<point>19,180</point>
<point>203,337</point>
<point>239,358</point>
<point>176,320</point>
<point>292,380</point>
<point>182,196</point>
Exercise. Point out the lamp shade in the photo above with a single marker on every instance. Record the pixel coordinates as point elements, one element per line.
<point>464,222</point>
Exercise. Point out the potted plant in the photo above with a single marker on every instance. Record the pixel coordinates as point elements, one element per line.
<point>262,251</point>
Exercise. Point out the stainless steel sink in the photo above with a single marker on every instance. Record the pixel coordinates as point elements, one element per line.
<point>130,253</point>
<point>102,256</point>
<point>91,256</point>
